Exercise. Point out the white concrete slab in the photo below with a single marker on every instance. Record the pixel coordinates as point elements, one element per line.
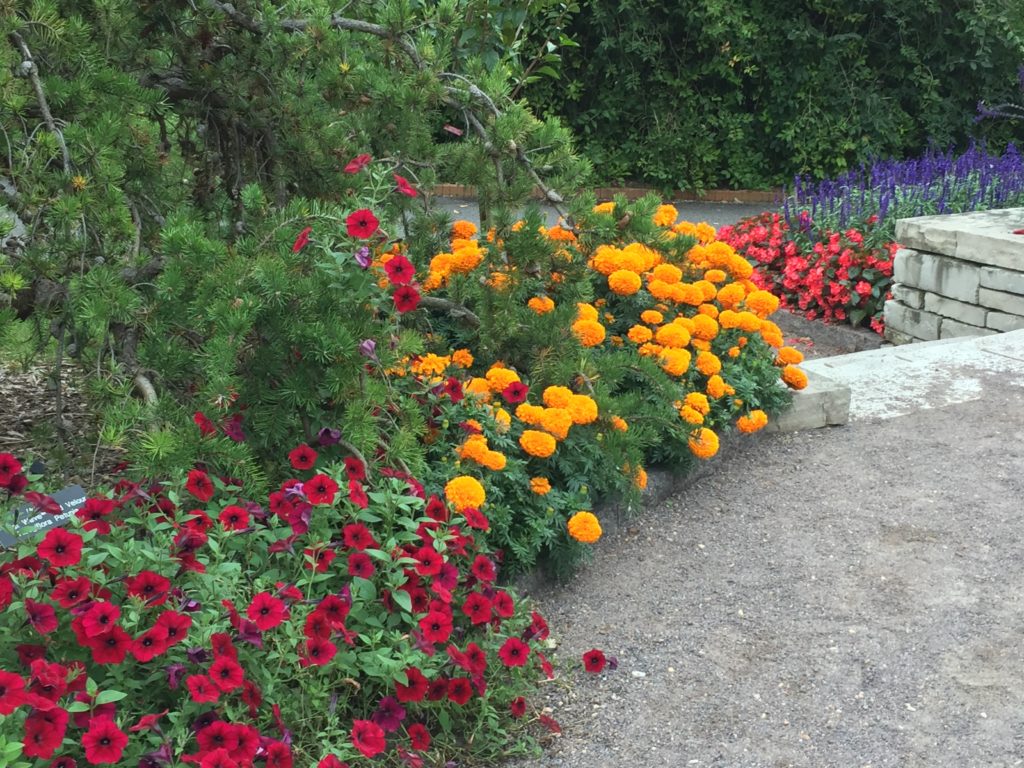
<point>894,381</point>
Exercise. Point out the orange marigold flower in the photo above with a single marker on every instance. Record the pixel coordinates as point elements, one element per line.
<point>716,387</point>
<point>504,420</point>
<point>715,276</point>
<point>479,387</point>
<point>560,234</point>
<point>704,327</point>
<point>640,478</point>
<point>623,282</point>
<point>748,321</point>
<point>584,527</point>
<point>708,309</point>
<point>700,345</point>
<point>557,421</point>
<point>639,334</point>
<point>762,303</point>
<point>529,414</point>
<point>705,232</point>
<point>463,230</point>
<point>733,352</point>
<point>536,443</point>
<point>586,311</point>
<point>789,356</point>
<point>699,402</point>
<point>462,358</point>
<point>589,332</point>
<point>667,273</point>
<point>675,361</point>
<point>672,335</point>
<point>703,443</point>
<point>540,485</point>
<point>498,379</point>
<point>794,377</point>
<point>475,448</point>
<point>691,415</point>
<point>649,350</point>
<point>494,460</point>
<point>652,317</point>
<point>464,491</point>
<point>556,397</point>
<point>665,216</point>
<point>582,409</point>
<point>619,424</point>
<point>708,363</point>
<point>740,268</point>
<point>541,304</point>
<point>752,422</point>
<point>730,295</point>
<point>608,207</point>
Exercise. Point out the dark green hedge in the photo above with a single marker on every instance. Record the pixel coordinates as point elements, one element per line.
<point>746,93</point>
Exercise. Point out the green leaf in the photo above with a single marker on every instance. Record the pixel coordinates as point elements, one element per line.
<point>107,697</point>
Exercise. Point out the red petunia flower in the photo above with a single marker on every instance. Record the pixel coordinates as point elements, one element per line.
<point>148,722</point>
<point>368,737</point>
<point>302,457</point>
<point>416,687</point>
<point>419,736</point>
<point>206,427</point>
<point>335,610</point>
<point>317,651</point>
<point>226,673</point>
<point>302,240</point>
<point>64,762</point>
<point>104,742</point>
<point>404,187</point>
<point>361,565</point>
<point>110,648</point>
<point>518,707</point>
<point>358,536</point>
<point>318,559</point>
<point>477,607</point>
<point>202,689</point>
<point>546,667</point>
<point>9,468</point>
<point>355,469</point>
<point>406,298</point>
<point>279,755</point>
<point>234,518</point>
<point>41,616</point>
<point>593,661</point>
<point>151,587</point>
<point>515,392</point>
<point>453,389</point>
<point>216,758</point>
<point>100,618</point>
<point>483,569</point>
<point>93,513</point>
<point>60,547</point>
<point>436,627</point>
<point>361,223</point>
<point>400,270</point>
<point>459,690</point>
<point>266,611</point>
<point>175,624</point>
<point>151,644</point>
<point>12,692</point>
<point>218,735</point>
<point>357,495</point>
<point>357,163</point>
<point>331,761</point>
<point>503,604</point>
<point>320,489</point>
<point>428,561</point>
<point>199,485</point>
<point>44,732</point>
<point>514,652</point>
<point>476,519</point>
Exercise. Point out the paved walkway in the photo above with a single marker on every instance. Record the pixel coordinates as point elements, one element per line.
<point>844,597</point>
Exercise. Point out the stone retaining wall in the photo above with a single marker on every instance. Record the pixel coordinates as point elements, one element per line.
<point>957,275</point>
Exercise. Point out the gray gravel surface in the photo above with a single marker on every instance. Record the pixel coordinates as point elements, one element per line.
<point>845,597</point>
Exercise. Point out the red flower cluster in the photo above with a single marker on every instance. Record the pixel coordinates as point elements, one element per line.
<point>835,276</point>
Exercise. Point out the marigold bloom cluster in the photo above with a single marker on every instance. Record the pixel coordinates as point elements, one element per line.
<point>464,492</point>
<point>584,527</point>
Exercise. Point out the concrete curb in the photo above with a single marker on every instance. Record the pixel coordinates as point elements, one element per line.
<point>843,337</point>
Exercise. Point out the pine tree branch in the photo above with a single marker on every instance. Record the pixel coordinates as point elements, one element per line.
<point>236,16</point>
<point>29,68</point>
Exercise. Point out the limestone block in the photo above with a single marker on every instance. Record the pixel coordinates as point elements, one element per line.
<point>1008,280</point>
<point>912,322</point>
<point>904,294</point>
<point>927,233</point>
<point>940,274</point>
<point>971,314</point>
<point>1010,303</point>
<point>1003,322</point>
<point>951,329</point>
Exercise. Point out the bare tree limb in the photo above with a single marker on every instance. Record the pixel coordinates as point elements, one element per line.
<point>29,68</point>
<point>236,16</point>
<point>145,388</point>
<point>454,310</point>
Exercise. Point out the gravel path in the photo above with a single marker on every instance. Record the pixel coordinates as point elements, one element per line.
<point>846,597</point>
